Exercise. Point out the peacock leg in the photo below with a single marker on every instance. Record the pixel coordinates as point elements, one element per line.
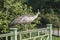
<point>26,27</point>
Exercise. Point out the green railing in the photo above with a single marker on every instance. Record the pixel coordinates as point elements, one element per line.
<point>35,34</point>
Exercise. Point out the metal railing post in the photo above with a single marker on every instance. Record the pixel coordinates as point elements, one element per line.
<point>49,26</point>
<point>14,31</point>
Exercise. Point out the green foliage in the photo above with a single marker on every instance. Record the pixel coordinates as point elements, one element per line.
<point>3,21</point>
<point>50,12</point>
<point>51,18</point>
<point>55,38</point>
<point>12,9</point>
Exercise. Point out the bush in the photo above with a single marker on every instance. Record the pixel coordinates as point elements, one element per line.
<point>12,9</point>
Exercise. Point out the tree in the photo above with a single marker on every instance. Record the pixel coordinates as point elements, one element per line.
<point>12,9</point>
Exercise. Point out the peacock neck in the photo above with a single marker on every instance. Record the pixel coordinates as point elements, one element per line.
<point>35,16</point>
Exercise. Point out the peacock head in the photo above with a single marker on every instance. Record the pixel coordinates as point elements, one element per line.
<point>38,12</point>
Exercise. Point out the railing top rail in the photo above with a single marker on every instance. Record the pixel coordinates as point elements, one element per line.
<point>7,34</point>
<point>28,31</point>
<point>34,30</point>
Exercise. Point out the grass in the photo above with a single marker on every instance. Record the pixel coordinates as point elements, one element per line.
<point>55,38</point>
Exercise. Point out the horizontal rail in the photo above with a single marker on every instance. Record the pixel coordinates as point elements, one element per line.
<point>7,34</point>
<point>23,32</point>
<point>36,37</point>
<point>34,30</point>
